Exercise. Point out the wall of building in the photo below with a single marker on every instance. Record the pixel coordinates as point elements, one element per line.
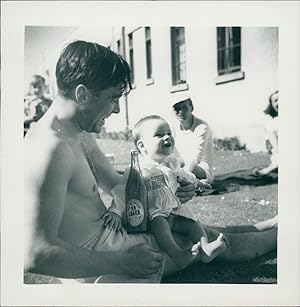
<point>233,108</point>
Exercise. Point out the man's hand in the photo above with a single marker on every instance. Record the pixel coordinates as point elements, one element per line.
<point>113,221</point>
<point>185,191</point>
<point>141,261</point>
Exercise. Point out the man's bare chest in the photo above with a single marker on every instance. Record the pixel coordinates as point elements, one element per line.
<point>83,181</point>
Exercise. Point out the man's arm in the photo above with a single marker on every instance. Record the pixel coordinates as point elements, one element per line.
<point>46,179</point>
<point>107,176</point>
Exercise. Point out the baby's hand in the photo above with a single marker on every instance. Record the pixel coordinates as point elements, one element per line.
<point>112,221</point>
<point>204,184</point>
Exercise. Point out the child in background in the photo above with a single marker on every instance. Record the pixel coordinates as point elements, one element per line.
<point>35,103</point>
<point>160,165</point>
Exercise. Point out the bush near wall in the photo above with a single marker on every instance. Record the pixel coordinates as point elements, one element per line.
<point>227,143</point>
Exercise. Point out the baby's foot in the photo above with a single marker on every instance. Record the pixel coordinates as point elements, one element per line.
<point>212,249</point>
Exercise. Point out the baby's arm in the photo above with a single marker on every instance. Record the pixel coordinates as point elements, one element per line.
<point>185,176</point>
<point>112,221</point>
<point>190,177</point>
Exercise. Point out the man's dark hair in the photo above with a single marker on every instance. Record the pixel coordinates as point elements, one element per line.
<point>189,100</point>
<point>93,65</point>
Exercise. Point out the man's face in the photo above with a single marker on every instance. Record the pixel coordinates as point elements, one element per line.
<point>183,110</point>
<point>99,107</point>
<point>157,139</point>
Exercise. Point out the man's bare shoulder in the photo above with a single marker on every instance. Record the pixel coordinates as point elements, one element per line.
<point>44,147</point>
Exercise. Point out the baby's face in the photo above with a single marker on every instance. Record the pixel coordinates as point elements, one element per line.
<point>157,139</point>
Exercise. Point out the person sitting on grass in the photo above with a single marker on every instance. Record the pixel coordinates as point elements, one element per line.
<point>161,168</point>
<point>197,133</point>
<point>271,129</point>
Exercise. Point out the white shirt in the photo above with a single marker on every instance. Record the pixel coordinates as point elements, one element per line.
<point>195,146</point>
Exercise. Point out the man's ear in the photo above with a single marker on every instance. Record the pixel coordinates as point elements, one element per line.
<point>81,94</point>
<point>140,145</point>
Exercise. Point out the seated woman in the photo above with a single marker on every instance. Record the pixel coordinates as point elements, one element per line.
<point>271,129</point>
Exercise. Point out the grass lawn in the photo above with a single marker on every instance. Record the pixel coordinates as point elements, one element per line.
<point>248,205</point>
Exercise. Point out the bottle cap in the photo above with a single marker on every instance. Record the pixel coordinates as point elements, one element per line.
<point>134,152</point>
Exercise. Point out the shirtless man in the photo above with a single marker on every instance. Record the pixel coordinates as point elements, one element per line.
<point>64,231</point>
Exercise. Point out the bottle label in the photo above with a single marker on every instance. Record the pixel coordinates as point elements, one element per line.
<point>135,212</point>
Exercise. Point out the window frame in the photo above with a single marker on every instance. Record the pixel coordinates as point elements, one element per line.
<point>119,47</point>
<point>230,68</point>
<point>131,56</point>
<point>148,49</point>
<point>178,58</point>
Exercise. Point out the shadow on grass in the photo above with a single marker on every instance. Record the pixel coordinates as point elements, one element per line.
<point>260,271</point>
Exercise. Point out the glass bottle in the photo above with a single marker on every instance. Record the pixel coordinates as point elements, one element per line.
<point>136,198</point>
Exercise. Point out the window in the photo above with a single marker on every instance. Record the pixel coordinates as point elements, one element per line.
<point>131,56</point>
<point>148,53</point>
<point>178,55</point>
<point>229,49</point>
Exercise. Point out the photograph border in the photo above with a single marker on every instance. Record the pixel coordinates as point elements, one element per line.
<point>15,15</point>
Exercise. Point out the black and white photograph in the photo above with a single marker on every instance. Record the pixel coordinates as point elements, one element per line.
<point>143,146</point>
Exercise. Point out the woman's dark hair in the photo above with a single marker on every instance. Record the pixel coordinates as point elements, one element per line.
<point>270,109</point>
<point>92,65</point>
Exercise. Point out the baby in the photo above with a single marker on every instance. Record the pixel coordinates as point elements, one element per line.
<point>160,165</point>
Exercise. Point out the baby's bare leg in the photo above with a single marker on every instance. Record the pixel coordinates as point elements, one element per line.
<point>161,229</point>
<point>196,233</point>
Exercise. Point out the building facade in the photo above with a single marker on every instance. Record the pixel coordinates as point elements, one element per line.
<point>229,72</point>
